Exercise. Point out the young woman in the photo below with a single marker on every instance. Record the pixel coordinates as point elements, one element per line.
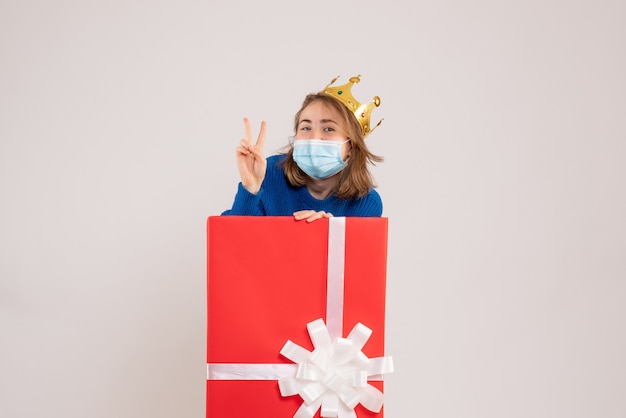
<point>323,173</point>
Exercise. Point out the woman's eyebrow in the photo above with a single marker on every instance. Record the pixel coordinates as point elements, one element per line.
<point>321,121</point>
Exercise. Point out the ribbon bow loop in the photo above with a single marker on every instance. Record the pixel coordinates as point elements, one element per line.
<point>334,375</point>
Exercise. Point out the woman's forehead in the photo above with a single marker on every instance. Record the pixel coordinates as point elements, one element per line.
<point>319,111</point>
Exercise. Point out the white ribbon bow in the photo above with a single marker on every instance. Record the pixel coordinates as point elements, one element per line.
<point>334,375</point>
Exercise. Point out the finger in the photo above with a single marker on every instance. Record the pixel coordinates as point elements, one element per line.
<point>261,138</point>
<point>243,148</point>
<point>246,123</point>
<point>315,216</point>
<point>302,214</point>
<point>243,151</point>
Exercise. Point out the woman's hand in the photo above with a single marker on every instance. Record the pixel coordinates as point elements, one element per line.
<point>311,215</point>
<point>250,160</point>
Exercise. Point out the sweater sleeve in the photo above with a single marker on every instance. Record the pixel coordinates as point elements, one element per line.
<point>246,203</point>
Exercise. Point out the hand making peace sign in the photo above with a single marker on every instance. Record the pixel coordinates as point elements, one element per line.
<point>250,160</point>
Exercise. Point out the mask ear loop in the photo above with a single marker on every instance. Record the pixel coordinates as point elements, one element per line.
<point>349,151</point>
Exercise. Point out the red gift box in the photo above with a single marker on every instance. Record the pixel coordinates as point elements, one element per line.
<point>268,277</point>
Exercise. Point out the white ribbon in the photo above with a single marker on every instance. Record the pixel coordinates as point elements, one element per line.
<point>334,375</point>
<point>249,371</point>
<point>335,277</point>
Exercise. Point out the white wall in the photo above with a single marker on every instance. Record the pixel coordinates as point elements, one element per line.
<point>504,184</point>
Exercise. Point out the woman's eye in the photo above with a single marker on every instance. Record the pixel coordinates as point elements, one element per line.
<point>329,129</point>
<point>305,128</point>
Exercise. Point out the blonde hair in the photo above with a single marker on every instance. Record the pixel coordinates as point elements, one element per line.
<point>355,180</point>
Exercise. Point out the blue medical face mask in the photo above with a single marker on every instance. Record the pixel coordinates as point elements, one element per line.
<point>318,158</point>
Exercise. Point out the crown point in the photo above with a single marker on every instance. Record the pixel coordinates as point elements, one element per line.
<point>332,82</point>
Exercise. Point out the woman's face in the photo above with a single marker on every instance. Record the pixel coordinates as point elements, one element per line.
<point>319,121</point>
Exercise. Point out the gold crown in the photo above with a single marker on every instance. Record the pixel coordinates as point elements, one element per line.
<point>362,112</point>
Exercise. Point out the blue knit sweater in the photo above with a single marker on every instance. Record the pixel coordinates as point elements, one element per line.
<point>278,198</point>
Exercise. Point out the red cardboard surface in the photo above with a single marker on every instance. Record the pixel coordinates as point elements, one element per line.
<point>267,280</point>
